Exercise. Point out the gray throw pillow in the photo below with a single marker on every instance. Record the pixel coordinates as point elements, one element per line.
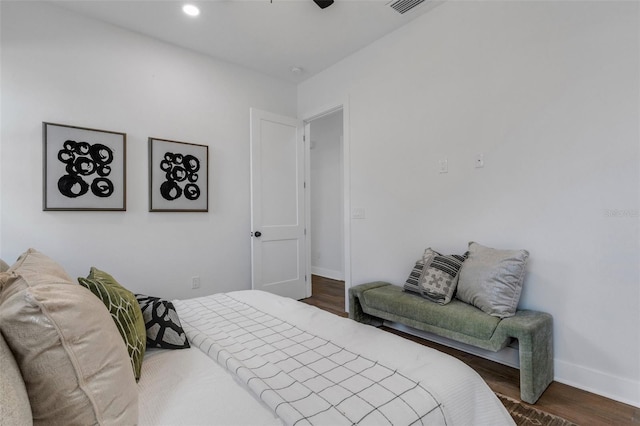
<point>491,279</point>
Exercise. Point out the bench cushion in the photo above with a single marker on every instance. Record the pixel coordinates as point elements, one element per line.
<point>459,316</point>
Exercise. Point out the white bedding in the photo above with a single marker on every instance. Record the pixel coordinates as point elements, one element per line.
<point>418,385</point>
<point>185,387</point>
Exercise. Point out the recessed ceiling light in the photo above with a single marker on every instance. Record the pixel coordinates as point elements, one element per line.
<point>191,10</point>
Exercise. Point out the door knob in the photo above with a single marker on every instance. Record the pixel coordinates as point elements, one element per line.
<point>257,234</point>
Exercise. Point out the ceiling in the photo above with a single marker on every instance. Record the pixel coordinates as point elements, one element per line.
<point>270,36</point>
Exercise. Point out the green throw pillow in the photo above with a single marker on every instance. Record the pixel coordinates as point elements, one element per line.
<point>125,311</point>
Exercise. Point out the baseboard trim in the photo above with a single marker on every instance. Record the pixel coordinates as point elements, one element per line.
<point>613,387</point>
<point>327,273</point>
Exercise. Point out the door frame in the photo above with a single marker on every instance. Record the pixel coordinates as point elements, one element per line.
<point>346,190</point>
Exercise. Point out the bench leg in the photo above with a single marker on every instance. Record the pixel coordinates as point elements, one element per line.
<point>536,362</point>
<point>355,308</point>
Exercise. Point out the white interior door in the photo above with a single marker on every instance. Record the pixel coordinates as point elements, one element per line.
<point>278,246</point>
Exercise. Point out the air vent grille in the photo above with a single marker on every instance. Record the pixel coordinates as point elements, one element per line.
<point>403,6</point>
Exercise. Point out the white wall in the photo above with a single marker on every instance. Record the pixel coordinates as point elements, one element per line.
<point>60,67</point>
<point>549,93</point>
<point>327,257</point>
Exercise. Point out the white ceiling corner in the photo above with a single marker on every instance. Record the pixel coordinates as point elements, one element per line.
<point>270,36</point>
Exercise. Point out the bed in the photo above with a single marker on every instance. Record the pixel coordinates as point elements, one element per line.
<point>254,359</point>
<point>279,361</point>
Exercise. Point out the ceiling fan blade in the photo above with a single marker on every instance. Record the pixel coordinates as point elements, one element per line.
<point>323,3</point>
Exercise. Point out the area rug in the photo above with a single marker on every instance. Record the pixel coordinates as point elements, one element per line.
<point>525,415</point>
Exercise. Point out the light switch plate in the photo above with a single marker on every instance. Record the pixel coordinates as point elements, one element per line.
<point>444,165</point>
<point>357,213</point>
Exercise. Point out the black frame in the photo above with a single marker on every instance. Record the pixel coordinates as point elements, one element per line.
<point>178,176</point>
<point>74,155</point>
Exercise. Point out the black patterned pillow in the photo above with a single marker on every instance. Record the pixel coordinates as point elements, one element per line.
<point>163,325</point>
<point>439,276</point>
<point>413,281</point>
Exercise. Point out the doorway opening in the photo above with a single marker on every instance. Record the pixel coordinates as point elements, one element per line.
<point>327,199</point>
<point>326,196</point>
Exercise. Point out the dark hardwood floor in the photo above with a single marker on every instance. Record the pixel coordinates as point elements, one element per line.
<point>578,406</point>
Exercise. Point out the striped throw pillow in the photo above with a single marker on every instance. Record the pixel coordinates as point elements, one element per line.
<point>435,276</point>
<point>413,281</point>
<point>440,276</point>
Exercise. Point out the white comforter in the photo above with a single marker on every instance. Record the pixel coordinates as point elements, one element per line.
<point>185,387</point>
<point>313,367</point>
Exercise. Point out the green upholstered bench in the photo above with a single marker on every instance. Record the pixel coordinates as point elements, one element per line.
<point>377,301</point>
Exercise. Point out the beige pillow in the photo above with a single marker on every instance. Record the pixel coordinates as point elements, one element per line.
<point>73,361</point>
<point>14,401</point>
<point>3,266</point>
<point>39,267</point>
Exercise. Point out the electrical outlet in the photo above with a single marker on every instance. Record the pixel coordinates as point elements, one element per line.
<point>195,282</point>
